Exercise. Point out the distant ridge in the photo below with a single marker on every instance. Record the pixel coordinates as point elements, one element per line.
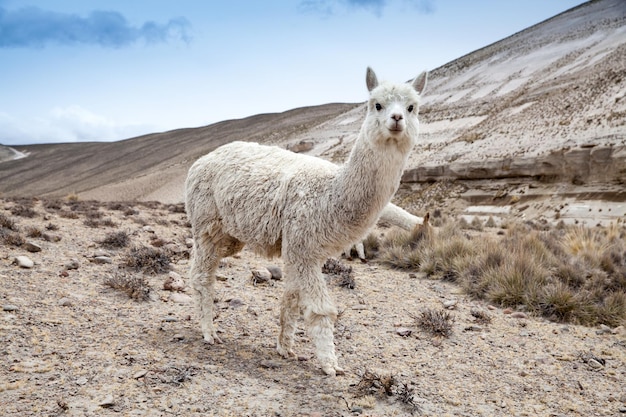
<point>553,91</point>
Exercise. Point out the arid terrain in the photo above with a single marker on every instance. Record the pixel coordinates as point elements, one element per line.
<point>74,345</point>
<point>530,130</point>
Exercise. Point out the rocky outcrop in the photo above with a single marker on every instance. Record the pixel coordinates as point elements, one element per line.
<point>578,165</point>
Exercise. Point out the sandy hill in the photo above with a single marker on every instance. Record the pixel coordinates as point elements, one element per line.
<point>546,103</point>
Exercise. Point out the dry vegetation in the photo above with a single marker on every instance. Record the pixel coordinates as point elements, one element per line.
<point>566,274</point>
<point>394,339</point>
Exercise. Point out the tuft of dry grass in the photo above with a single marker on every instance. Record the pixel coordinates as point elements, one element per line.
<point>136,287</point>
<point>373,384</point>
<point>345,273</point>
<point>7,223</point>
<point>436,322</point>
<point>567,274</point>
<point>115,240</point>
<point>149,260</point>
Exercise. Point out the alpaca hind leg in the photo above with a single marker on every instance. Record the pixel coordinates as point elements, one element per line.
<point>203,266</point>
<point>289,314</point>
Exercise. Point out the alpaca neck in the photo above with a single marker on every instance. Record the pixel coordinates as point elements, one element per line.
<point>368,180</point>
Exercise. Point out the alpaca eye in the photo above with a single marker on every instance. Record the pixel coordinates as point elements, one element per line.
<point>410,108</point>
<point>379,107</point>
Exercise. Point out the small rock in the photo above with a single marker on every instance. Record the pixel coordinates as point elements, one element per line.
<point>618,330</point>
<point>100,252</point>
<point>301,146</point>
<point>72,264</point>
<point>473,328</point>
<point>65,302</point>
<point>450,304</point>
<point>548,388</point>
<point>267,364</point>
<point>359,307</point>
<point>32,247</point>
<point>24,262</point>
<point>81,381</point>
<point>148,229</point>
<point>519,315</point>
<point>174,282</point>
<point>180,298</point>
<point>139,374</point>
<point>103,260</point>
<point>179,336</point>
<point>412,275</point>
<point>235,302</point>
<point>622,409</point>
<point>108,401</point>
<point>403,331</point>
<point>260,275</point>
<point>9,307</point>
<point>64,274</point>
<point>277,273</point>
<point>189,243</point>
<point>604,329</point>
<point>170,319</point>
<point>221,277</point>
<point>507,310</point>
<point>490,307</point>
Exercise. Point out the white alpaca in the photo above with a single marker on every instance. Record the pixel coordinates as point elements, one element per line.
<point>304,208</point>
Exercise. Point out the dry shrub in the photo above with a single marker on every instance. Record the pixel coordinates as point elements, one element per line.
<point>149,260</point>
<point>52,205</point>
<point>135,286</point>
<point>93,223</point>
<point>340,270</point>
<point>386,386</point>
<point>7,223</point>
<point>23,210</point>
<point>33,232</point>
<point>115,240</point>
<point>408,250</point>
<point>11,238</point>
<point>436,322</point>
<point>68,214</point>
<point>52,227</point>
<point>569,274</point>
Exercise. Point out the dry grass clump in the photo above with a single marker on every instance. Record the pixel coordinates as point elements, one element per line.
<point>9,232</point>
<point>436,322</point>
<point>7,223</point>
<point>32,231</point>
<point>149,260</point>
<point>115,240</point>
<point>24,208</point>
<point>569,274</point>
<point>135,286</point>
<point>386,386</point>
<point>340,270</point>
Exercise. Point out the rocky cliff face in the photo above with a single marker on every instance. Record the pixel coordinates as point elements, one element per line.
<point>576,166</point>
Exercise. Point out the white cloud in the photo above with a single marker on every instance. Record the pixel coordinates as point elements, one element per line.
<point>65,124</point>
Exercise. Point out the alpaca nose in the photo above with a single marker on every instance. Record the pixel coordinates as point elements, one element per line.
<point>397,117</point>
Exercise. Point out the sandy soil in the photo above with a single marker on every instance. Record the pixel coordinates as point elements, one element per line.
<point>73,346</point>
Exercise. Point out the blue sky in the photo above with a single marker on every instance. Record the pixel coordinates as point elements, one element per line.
<point>84,70</point>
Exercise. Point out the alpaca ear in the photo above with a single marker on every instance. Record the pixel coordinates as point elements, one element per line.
<point>370,79</point>
<point>419,83</point>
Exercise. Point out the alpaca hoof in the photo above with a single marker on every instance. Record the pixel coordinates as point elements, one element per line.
<point>332,370</point>
<point>286,353</point>
<point>212,339</point>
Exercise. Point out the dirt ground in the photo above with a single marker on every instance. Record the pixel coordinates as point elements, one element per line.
<point>73,346</point>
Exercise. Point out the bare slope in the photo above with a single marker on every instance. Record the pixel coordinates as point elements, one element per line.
<point>545,103</point>
<point>141,168</point>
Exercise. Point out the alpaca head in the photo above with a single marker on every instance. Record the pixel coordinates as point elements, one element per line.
<point>392,110</point>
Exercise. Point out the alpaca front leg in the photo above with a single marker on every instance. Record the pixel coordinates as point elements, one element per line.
<point>321,331</point>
